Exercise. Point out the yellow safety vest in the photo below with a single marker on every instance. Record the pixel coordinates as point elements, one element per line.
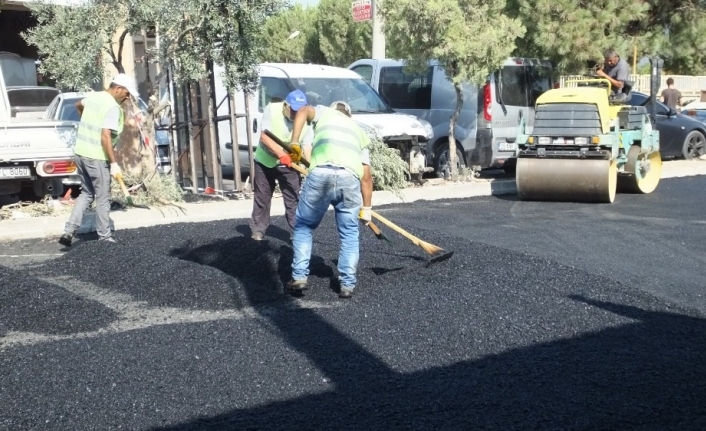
<point>90,129</point>
<point>278,127</point>
<point>338,141</point>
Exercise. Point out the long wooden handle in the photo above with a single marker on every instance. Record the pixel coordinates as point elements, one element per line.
<point>373,227</point>
<point>119,177</point>
<point>397,229</point>
<point>286,147</point>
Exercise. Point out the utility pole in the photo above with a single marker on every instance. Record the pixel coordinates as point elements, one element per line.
<point>634,57</point>
<point>378,34</point>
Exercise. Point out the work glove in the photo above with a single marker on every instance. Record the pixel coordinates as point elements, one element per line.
<point>296,153</point>
<point>286,160</point>
<point>115,170</point>
<point>366,214</point>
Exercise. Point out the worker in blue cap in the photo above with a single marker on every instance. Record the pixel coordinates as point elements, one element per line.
<point>272,163</point>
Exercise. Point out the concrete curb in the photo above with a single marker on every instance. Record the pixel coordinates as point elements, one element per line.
<point>52,226</point>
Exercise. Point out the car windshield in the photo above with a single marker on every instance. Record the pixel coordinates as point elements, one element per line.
<point>357,93</point>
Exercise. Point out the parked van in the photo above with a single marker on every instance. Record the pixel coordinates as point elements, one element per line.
<point>322,85</point>
<point>490,117</point>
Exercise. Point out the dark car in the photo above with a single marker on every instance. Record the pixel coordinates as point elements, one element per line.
<point>679,135</point>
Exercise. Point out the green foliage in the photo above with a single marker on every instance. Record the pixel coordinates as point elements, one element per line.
<point>387,168</point>
<point>575,33</point>
<point>469,38</point>
<point>280,48</point>
<point>72,42</point>
<point>683,45</point>
<point>156,190</point>
<point>341,40</point>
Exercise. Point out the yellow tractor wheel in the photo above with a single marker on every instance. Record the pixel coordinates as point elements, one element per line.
<point>645,171</point>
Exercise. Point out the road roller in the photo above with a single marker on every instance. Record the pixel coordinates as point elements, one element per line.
<point>587,143</point>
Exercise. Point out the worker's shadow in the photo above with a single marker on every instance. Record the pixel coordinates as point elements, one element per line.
<point>317,266</point>
<point>263,267</point>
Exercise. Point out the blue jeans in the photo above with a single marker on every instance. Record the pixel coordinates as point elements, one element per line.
<point>324,187</point>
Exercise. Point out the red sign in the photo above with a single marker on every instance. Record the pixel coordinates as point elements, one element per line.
<point>362,10</point>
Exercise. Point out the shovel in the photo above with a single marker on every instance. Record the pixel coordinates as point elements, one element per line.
<point>126,193</point>
<point>427,247</point>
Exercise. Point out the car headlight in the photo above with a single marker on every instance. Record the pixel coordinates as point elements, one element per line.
<point>582,140</point>
<point>544,140</point>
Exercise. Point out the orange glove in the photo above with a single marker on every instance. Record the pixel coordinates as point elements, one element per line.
<point>286,160</point>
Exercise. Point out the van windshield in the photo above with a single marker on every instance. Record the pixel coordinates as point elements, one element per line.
<point>357,93</point>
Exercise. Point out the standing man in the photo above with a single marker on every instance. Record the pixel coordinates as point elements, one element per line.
<point>339,175</point>
<point>101,124</point>
<point>272,164</point>
<point>615,70</point>
<point>671,96</point>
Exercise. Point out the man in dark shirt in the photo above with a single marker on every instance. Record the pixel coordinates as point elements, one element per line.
<point>671,96</point>
<point>615,70</point>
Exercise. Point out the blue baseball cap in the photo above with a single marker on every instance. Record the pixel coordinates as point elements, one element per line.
<point>296,100</point>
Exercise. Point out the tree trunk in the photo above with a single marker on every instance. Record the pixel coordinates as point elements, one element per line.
<point>452,127</point>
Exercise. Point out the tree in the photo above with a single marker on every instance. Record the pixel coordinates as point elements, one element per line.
<point>283,44</point>
<point>575,33</point>
<point>341,40</point>
<point>76,43</point>
<point>468,38</point>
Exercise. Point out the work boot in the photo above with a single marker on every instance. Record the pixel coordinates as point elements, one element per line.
<point>297,285</point>
<point>345,293</point>
<point>65,240</point>
<point>257,236</point>
<point>109,239</point>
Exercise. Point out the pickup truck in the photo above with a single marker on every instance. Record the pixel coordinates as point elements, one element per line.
<point>36,155</point>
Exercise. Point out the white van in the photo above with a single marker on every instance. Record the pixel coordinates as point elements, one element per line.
<point>323,85</point>
<point>489,121</point>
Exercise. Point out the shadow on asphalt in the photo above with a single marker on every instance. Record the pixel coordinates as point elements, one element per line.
<point>625,377</point>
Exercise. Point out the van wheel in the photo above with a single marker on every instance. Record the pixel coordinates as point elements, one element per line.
<point>442,168</point>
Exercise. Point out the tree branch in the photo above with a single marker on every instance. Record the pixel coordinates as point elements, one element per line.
<point>121,42</point>
<point>188,30</point>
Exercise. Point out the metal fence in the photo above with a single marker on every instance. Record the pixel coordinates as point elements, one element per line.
<point>689,86</point>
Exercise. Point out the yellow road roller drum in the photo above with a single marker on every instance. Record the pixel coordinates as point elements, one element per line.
<point>586,145</point>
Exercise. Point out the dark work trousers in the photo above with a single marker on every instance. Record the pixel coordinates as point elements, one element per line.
<point>289,182</point>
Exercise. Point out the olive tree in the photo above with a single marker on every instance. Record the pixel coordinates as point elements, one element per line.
<point>468,38</point>
<point>78,43</point>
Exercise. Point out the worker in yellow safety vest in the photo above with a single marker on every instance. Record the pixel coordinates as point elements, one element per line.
<point>272,163</point>
<point>98,132</point>
<point>339,175</point>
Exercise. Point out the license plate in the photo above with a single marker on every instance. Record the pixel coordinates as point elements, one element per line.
<point>507,146</point>
<point>15,172</point>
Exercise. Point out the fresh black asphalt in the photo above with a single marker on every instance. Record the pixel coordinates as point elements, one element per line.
<point>552,316</point>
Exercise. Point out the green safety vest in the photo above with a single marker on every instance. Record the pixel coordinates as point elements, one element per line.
<point>278,127</point>
<point>338,141</point>
<point>88,137</point>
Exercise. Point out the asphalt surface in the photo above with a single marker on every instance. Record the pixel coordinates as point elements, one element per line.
<point>548,316</point>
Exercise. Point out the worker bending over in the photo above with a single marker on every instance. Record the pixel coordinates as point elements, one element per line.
<point>272,164</point>
<point>339,175</point>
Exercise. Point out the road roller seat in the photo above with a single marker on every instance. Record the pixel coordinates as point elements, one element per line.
<point>623,96</point>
